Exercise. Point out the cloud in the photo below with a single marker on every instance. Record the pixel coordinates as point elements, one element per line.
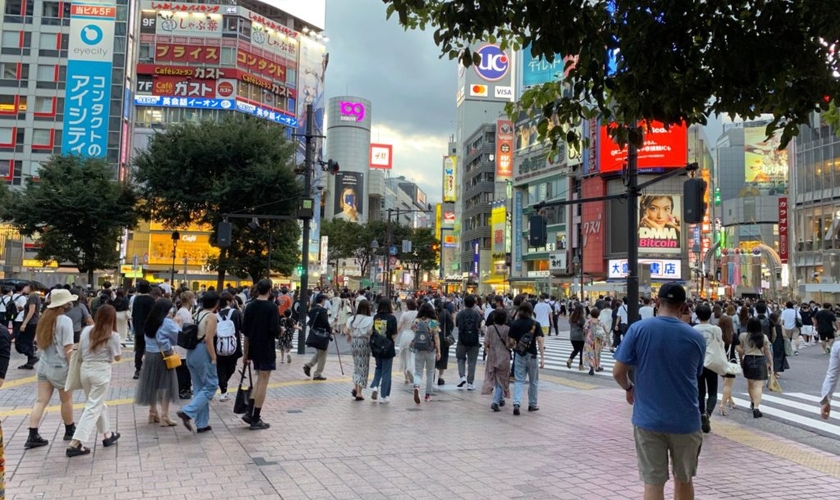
<point>411,89</point>
<point>417,156</point>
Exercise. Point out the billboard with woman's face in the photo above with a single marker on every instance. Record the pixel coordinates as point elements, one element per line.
<point>659,224</point>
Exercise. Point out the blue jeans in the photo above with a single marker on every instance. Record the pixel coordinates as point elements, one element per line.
<point>498,394</point>
<point>383,375</point>
<point>205,381</point>
<point>526,365</point>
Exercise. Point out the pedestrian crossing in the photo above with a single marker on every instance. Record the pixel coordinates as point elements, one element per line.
<point>800,409</point>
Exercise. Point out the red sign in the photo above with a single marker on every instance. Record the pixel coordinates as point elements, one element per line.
<point>783,230</point>
<point>449,218</point>
<point>247,60</point>
<point>225,89</point>
<point>381,156</point>
<point>662,148</point>
<point>275,88</point>
<point>185,7</point>
<point>593,226</point>
<point>93,11</point>
<point>504,150</point>
<point>177,86</point>
<point>174,52</point>
<point>198,73</point>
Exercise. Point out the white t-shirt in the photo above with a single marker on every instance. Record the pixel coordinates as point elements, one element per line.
<point>5,299</point>
<point>646,312</point>
<point>20,302</point>
<point>106,352</point>
<point>710,332</point>
<point>622,314</point>
<point>789,317</point>
<point>165,287</point>
<point>542,313</point>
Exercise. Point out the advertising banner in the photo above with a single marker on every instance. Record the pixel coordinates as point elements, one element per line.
<point>497,225</point>
<point>516,252</point>
<point>313,12</point>
<point>183,53</point>
<point>261,65</point>
<point>536,70</point>
<point>449,191</point>
<point>449,241</point>
<point>784,244</point>
<point>662,149</point>
<point>88,94</point>
<point>185,23</point>
<point>504,150</point>
<point>659,224</point>
<point>448,218</point>
<point>557,262</point>
<point>763,162</point>
<point>185,87</point>
<point>266,114</point>
<point>185,71</point>
<point>349,202</point>
<point>593,226</point>
<point>195,247</point>
<point>659,269</point>
<point>274,41</point>
<point>324,253</point>
<point>381,156</point>
<point>494,63</point>
<point>183,102</point>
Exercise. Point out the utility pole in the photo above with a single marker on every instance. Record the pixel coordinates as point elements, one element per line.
<point>307,187</point>
<point>388,254</point>
<point>632,234</point>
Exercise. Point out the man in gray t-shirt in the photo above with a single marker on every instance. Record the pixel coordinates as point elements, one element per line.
<point>25,343</point>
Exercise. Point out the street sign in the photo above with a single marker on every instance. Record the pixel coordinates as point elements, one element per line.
<point>406,246</point>
<point>392,250</point>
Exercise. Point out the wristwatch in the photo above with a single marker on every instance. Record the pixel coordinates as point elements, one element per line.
<point>632,385</point>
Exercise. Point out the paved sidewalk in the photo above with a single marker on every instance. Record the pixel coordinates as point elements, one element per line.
<point>322,444</point>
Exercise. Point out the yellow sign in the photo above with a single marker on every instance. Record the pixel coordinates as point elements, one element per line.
<point>130,272</point>
<point>38,263</point>
<point>449,189</point>
<point>438,217</point>
<point>195,247</point>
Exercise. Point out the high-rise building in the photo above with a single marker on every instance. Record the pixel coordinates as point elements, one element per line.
<point>348,127</point>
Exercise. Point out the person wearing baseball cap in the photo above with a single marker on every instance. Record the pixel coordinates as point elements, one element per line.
<point>668,357</point>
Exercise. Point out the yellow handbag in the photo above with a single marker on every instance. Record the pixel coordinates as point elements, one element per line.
<point>172,361</point>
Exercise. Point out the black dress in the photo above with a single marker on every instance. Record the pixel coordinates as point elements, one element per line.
<point>446,327</point>
<point>780,362</point>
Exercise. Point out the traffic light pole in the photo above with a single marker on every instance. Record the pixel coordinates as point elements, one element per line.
<point>310,137</point>
<point>633,234</point>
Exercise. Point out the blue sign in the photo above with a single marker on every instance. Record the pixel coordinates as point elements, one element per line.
<point>494,64</point>
<point>517,235</point>
<point>266,114</point>
<point>392,250</point>
<point>86,109</point>
<point>183,102</point>
<point>536,71</point>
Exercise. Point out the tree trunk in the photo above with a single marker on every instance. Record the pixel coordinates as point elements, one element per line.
<point>220,278</point>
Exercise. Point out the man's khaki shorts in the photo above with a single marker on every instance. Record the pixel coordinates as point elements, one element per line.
<point>654,448</point>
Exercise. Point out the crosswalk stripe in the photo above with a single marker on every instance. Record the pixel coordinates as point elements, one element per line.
<point>806,397</point>
<point>813,423</point>
<point>810,409</point>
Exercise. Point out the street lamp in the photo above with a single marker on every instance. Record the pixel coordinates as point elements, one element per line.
<point>579,271</point>
<point>175,237</point>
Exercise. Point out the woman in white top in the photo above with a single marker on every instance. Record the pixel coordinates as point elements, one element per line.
<point>707,383</point>
<point>359,327</point>
<point>55,341</point>
<point>183,318</point>
<point>99,346</point>
<point>404,339</point>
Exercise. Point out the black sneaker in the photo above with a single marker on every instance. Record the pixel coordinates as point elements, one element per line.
<point>533,408</point>
<point>188,421</point>
<point>69,431</point>
<point>440,381</point>
<point>462,383</point>
<point>495,407</point>
<point>136,374</point>
<point>259,425</point>
<point>320,378</point>
<point>306,370</point>
<point>705,424</point>
<point>35,441</point>
<point>757,413</point>
<point>26,366</point>
<point>516,409</point>
<point>204,429</point>
<point>246,418</point>
<point>501,403</point>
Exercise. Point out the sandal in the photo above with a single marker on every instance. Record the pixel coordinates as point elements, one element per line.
<point>72,451</point>
<point>115,436</point>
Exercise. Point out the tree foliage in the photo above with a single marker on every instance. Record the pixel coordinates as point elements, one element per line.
<point>196,172</point>
<point>78,211</point>
<point>675,61</point>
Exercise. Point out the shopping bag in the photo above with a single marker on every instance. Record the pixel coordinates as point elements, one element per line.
<point>244,402</point>
<point>773,384</point>
<point>74,372</point>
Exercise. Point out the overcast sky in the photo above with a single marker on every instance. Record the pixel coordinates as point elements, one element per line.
<point>411,88</point>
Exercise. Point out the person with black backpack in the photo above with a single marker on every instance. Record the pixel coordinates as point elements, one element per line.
<point>468,323</point>
<point>383,348</point>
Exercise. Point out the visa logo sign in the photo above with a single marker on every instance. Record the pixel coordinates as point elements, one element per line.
<point>504,93</point>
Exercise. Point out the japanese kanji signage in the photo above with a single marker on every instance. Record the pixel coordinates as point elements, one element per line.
<point>261,65</point>
<point>199,73</point>
<point>185,87</point>
<point>783,229</point>
<point>659,269</point>
<point>88,96</point>
<point>182,53</point>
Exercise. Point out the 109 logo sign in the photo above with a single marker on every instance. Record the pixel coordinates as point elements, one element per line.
<point>352,111</point>
<point>494,64</point>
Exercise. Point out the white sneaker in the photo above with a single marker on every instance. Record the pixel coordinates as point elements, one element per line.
<point>224,397</point>
<point>463,381</point>
<point>470,387</point>
<point>384,401</point>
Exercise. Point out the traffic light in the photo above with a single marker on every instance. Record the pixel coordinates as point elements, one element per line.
<point>223,234</point>
<point>694,207</point>
<point>537,233</point>
<point>434,247</point>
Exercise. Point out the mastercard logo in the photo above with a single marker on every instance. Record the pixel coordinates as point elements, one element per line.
<point>478,90</point>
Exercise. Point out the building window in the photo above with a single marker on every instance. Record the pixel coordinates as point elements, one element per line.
<point>35,170</point>
<point>42,138</point>
<point>44,105</point>
<point>11,39</point>
<point>7,136</point>
<point>8,104</point>
<point>51,9</point>
<point>46,73</point>
<point>8,70</point>
<point>7,169</point>
<point>145,53</point>
<point>24,72</point>
<point>48,41</point>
